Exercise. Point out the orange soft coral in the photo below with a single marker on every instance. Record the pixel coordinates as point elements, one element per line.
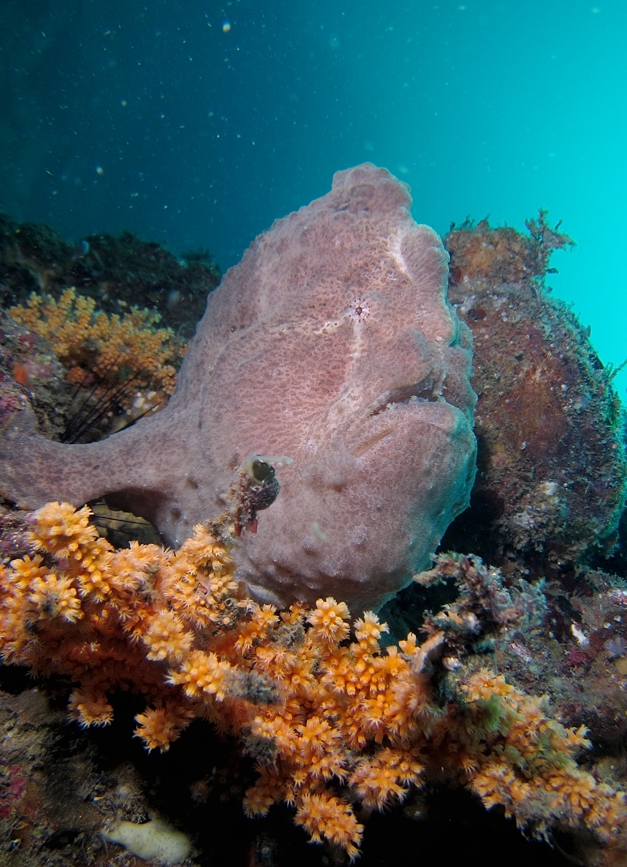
<point>72,324</point>
<point>102,352</point>
<point>328,719</point>
<point>525,761</point>
<point>327,816</point>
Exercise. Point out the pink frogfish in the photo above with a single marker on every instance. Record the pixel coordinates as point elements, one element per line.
<point>330,350</point>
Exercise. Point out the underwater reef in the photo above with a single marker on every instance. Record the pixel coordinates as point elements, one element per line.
<point>551,462</point>
<point>329,717</point>
<point>109,269</point>
<point>498,677</point>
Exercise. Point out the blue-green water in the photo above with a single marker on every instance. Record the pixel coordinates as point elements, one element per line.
<point>198,123</point>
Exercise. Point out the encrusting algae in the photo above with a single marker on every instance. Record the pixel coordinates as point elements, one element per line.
<point>330,718</point>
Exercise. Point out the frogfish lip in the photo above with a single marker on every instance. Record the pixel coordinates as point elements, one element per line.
<point>415,393</point>
<point>397,412</point>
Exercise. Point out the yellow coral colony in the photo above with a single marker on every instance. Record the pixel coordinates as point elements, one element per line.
<point>330,718</point>
<point>90,342</point>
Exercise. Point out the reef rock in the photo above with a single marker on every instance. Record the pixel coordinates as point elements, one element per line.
<point>332,344</point>
<point>552,468</point>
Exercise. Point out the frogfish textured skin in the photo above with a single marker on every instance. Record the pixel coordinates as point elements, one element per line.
<point>332,343</point>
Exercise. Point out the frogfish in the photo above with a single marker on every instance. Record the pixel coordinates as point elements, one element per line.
<point>331,354</point>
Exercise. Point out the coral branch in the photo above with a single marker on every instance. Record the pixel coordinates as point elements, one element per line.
<point>329,718</point>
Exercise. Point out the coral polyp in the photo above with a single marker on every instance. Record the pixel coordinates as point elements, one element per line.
<point>330,717</point>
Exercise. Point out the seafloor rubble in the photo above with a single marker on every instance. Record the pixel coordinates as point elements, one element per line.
<point>546,618</point>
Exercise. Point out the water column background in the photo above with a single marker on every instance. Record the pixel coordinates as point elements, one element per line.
<point>199,123</point>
